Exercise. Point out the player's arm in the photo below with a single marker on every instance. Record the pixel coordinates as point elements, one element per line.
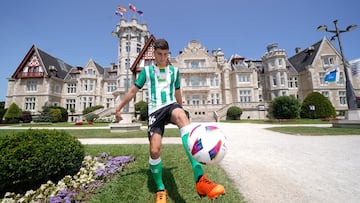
<point>128,96</point>
<point>178,96</point>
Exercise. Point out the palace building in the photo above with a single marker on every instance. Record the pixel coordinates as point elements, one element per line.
<point>210,83</point>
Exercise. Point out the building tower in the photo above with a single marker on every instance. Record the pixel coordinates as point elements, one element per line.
<point>132,37</point>
<point>275,73</point>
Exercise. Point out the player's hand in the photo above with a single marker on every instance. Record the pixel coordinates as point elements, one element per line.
<point>118,116</point>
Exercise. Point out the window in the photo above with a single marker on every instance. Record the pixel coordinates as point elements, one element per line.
<point>215,98</point>
<point>322,78</point>
<point>341,79</point>
<point>70,104</point>
<point>214,81</point>
<point>30,103</point>
<point>138,48</point>
<point>31,85</point>
<point>91,86</point>
<point>195,99</point>
<point>274,79</point>
<point>282,79</point>
<point>71,88</point>
<point>56,89</point>
<point>127,47</point>
<point>342,97</point>
<point>328,60</point>
<point>109,101</point>
<point>195,64</point>
<point>325,93</point>
<point>111,86</point>
<point>112,75</point>
<point>272,63</point>
<point>280,61</point>
<point>91,72</point>
<point>195,80</point>
<point>243,78</point>
<point>244,96</point>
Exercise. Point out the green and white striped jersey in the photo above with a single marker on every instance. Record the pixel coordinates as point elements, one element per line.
<point>161,85</point>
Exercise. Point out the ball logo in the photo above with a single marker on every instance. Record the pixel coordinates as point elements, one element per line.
<point>197,146</point>
<point>215,151</point>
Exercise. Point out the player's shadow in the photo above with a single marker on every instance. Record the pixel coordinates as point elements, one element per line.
<point>169,182</point>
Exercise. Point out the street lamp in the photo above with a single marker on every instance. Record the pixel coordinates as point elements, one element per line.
<point>350,95</point>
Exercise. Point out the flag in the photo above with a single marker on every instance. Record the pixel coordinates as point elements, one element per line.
<point>122,9</point>
<point>355,67</point>
<point>119,13</point>
<point>332,74</point>
<point>132,7</point>
<point>140,12</point>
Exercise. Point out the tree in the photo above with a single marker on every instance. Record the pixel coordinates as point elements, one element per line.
<point>285,107</point>
<point>2,111</point>
<point>13,114</point>
<point>316,105</point>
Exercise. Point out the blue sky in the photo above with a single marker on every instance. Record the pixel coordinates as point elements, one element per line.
<point>78,30</point>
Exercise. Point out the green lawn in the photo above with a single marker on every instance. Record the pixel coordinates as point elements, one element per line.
<point>103,133</point>
<point>135,183</point>
<point>309,130</point>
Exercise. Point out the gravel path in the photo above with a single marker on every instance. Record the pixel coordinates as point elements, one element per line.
<point>272,167</point>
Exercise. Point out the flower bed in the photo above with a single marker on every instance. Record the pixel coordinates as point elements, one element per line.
<point>94,172</point>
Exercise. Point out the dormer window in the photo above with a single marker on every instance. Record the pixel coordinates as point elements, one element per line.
<point>328,60</point>
<point>91,72</point>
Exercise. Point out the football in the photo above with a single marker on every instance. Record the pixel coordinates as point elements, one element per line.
<point>207,144</point>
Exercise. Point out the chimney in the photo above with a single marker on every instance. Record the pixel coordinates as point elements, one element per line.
<point>297,50</point>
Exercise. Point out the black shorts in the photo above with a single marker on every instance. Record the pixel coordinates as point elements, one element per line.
<point>158,119</point>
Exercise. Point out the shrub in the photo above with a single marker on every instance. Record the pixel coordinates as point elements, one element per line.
<point>13,114</point>
<point>233,113</point>
<point>91,117</point>
<point>91,109</point>
<point>284,107</point>
<point>52,114</point>
<point>26,117</point>
<point>33,157</point>
<point>142,107</point>
<point>316,105</point>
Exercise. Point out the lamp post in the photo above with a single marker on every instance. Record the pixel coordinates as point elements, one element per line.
<point>350,95</point>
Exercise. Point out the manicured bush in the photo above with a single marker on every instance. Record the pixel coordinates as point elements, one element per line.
<point>13,114</point>
<point>233,113</point>
<point>285,107</point>
<point>316,105</point>
<point>142,108</point>
<point>32,157</point>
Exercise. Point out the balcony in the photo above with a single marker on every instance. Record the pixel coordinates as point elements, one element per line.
<point>199,70</point>
<point>205,88</point>
<point>31,75</point>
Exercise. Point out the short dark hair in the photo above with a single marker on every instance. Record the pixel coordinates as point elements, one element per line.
<point>161,44</point>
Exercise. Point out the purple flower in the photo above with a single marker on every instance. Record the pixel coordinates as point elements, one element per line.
<point>63,193</point>
<point>55,199</point>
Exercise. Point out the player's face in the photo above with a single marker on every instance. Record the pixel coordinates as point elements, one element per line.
<point>161,57</point>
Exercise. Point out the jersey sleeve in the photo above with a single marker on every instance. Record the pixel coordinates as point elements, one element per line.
<point>177,81</point>
<point>140,81</point>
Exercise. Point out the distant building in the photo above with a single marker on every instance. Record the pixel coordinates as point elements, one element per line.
<point>210,83</point>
